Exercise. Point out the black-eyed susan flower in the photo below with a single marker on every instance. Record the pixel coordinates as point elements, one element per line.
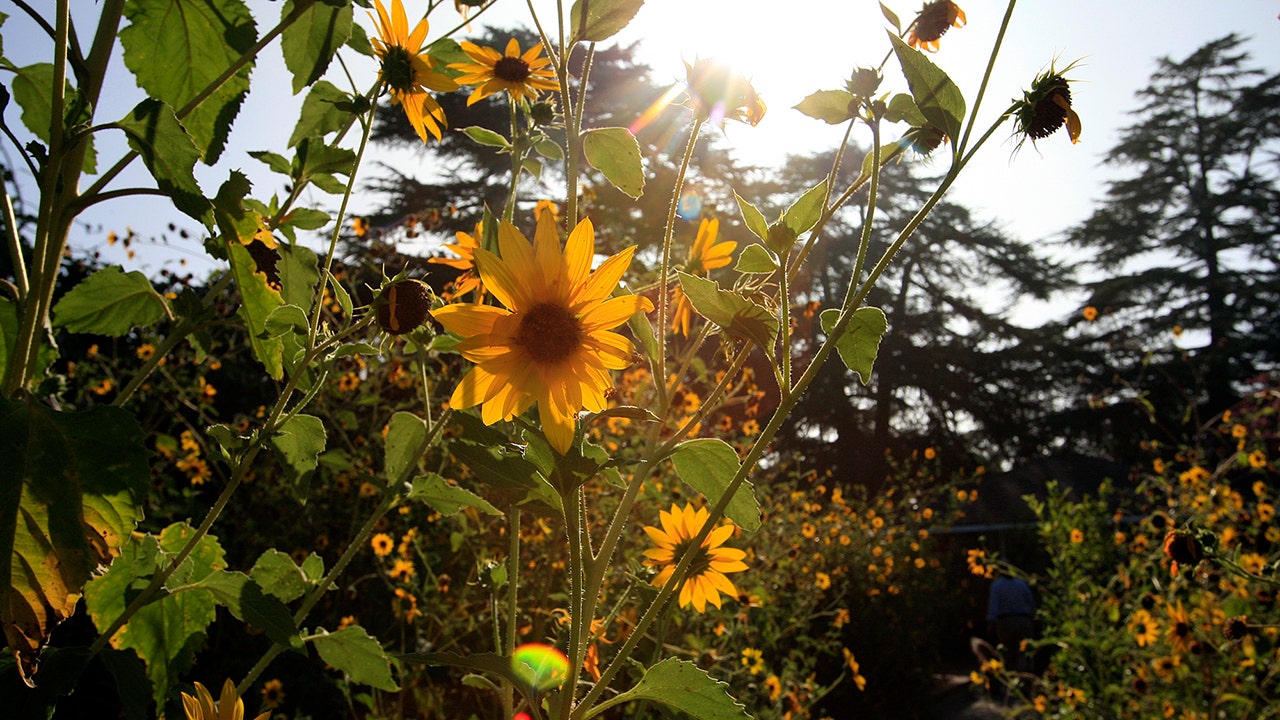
<point>934,20</point>
<point>1090,313</point>
<point>705,255</point>
<point>522,76</point>
<point>551,342</point>
<point>382,544</point>
<point>774,686</point>
<point>753,660</point>
<point>272,694</point>
<point>717,93</point>
<point>1145,630</point>
<point>407,68</point>
<point>1046,107</point>
<point>1181,631</point>
<point>706,578</point>
<point>229,706</point>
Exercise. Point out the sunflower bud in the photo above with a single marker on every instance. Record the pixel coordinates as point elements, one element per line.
<point>1236,628</point>
<point>781,238</point>
<point>404,306</point>
<point>542,112</point>
<point>863,82</point>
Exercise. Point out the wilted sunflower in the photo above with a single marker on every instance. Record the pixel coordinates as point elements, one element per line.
<point>706,578</point>
<point>705,255</point>
<point>717,93</point>
<point>934,20</point>
<point>551,342</point>
<point>407,69</point>
<point>522,76</point>
<point>1046,107</point>
<point>229,706</point>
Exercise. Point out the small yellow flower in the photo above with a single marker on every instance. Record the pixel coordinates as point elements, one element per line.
<point>706,577</point>
<point>145,351</point>
<point>1090,313</point>
<point>1144,628</point>
<point>930,453</point>
<point>272,694</point>
<point>822,580</point>
<point>382,544</point>
<point>1257,459</point>
<point>521,76</point>
<point>753,660</point>
<point>854,669</point>
<point>401,570</point>
<point>229,705</point>
<point>1077,536</point>
<point>774,686</point>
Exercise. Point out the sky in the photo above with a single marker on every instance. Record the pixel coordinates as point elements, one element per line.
<point>789,50</point>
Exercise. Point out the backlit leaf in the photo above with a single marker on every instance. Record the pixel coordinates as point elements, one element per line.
<point>753,218</point>
<point>596,20</point>
<point>279,576</point>
<point>320,114</point>
<point>310,42</point>
<point>707,465</point>
<point>32,89</point>
<point>756,259</point>
<point>405,433</point>
<point>355,653</point>
<point>299,443</point>
<point>806,210</point>
<point>615,152</point>
<point>169,153</point>
<point>860,342</point>
<point>934,92</point>
<point>681,685</point>
<point>830,106</point>
<point>110,302</point>
<point>70,493</point>
<point>177,48</point>
<point>735,314</point>
<point>448,499</point>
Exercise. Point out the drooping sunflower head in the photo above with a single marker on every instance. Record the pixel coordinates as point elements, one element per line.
<point>717,93</point>
<point>933,21</point>
<point>521,76</point>
<point>1045,107</point>
<point>551,342</point>
<point>705,579</point>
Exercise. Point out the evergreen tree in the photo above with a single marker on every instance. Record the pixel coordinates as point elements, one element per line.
<point>1187,244</point>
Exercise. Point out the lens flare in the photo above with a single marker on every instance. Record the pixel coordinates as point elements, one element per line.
<point>540,666</point>
<point>690,205</point>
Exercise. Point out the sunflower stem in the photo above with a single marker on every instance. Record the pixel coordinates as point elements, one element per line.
<point>513,582</point>
<point>864,242</point>
<point>577,602</point>
<point>517,160</point>
<point>986,78</point>
<point>660,379</point>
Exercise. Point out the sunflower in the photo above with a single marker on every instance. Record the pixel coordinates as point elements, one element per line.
<point>1046,107</point>
<point>272,693</point>
<point>407,69</point>
<point>551,342</point>
<point>718,93</point>
<point>466,262</point>
<point>229,706</point>
<point>705,255</point>
<point>934,20</point>
<point>1181,632</point>
<point>706,578</point>
<point>522,76</point>
<point>1144,627</point>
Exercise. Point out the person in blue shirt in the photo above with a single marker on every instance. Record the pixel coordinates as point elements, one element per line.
<point>1011,611</point>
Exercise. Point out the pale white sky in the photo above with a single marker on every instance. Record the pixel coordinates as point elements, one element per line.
<point>790,49</point>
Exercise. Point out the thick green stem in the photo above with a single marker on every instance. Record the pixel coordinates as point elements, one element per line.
<point>986,78</point>
<point>14,242</point>
<point>513,608</point>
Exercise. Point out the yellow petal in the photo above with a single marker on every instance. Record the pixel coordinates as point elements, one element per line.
<point>469,319</point>
<point>501,281</point>
<point>602,282</point>
<point>579,250</point>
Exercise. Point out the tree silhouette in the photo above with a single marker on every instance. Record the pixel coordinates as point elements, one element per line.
<point>1188,243</point>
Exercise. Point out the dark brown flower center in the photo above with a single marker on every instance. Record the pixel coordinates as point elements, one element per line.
<point>511,69</point>
<point>701,561</point>
<point>549,333</point>
<point>935,20</point>
<point>397,68</point>
<point>1048,115</point>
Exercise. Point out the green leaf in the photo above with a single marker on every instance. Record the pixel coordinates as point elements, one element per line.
<point>491,663</point>
<point>299,443</point>
<point>596,20</point>
<point>805,211</point>
<point>259,300</point>
<point>177,48</point>
<point>892,17</point>
<point>447,499</point>
<point>33,91</point>
<point>299,273</point>
<point>860,342</point>
<point>404,435</point>
<point>752,217</point>
<point>485,136</point>
<point>169,153</point>
<point>314,158</point>
<point>248,602</point>
<point>549,149</point>
<point>311,41</point>
<point>279,576</point>
<point>829,106</point>
<point>902,107</point>
<point>934,92</point>
<point>756,259</point>
<point>277,162</point>
<point>320,114</point>
<point>70,494</point>
<point>735,314</point>
<point>167,632</point>
<point>684,686</point>
<point>615,152</point>
<point>110,302</point>
<point>512,477</point>
<point>707,465</point>
<point>286,319</point>
<point>355,653</point>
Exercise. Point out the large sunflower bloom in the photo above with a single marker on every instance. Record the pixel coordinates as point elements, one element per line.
<point>229,706</point>
<point>407,69</point>
<point>551,342</point>
<point>521,76</point>
<point>705,255</point>
<point>706,579</point>
<point>934,20</point>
